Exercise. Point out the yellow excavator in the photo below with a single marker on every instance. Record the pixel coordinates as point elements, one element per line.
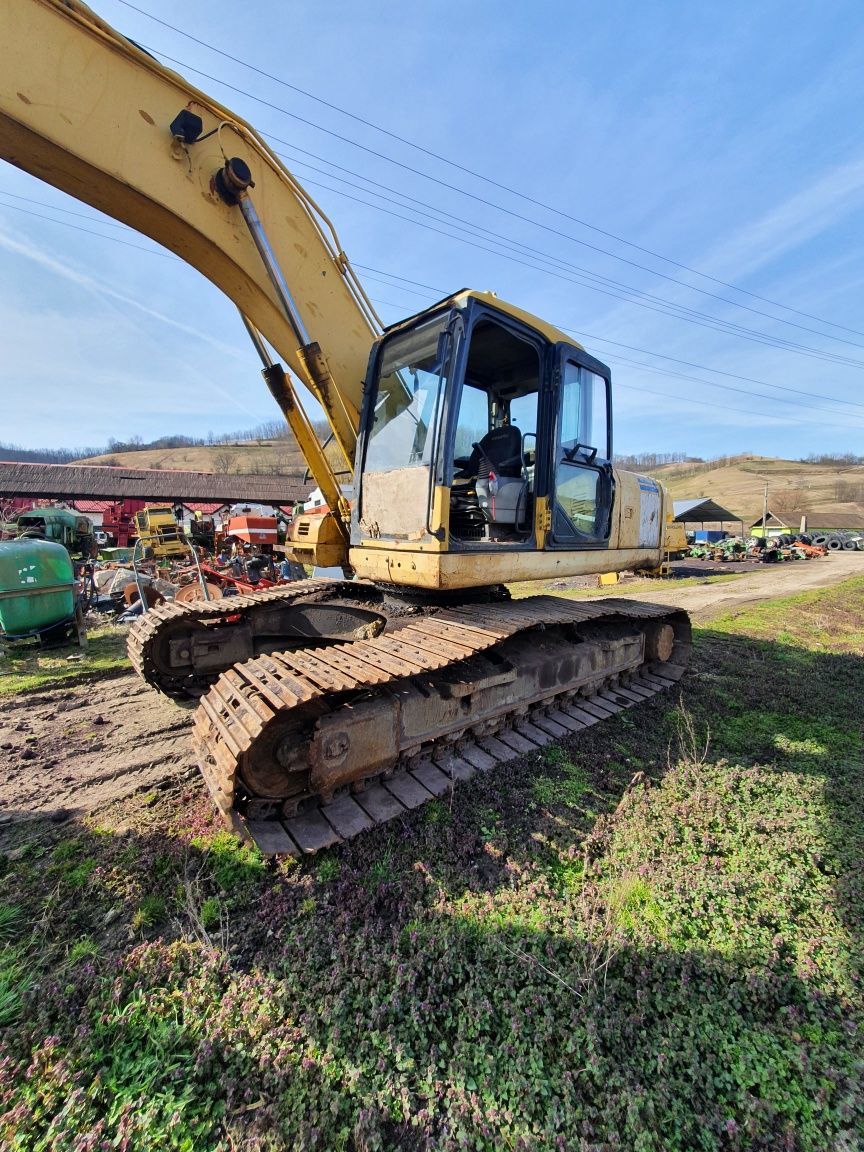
<point>480,442</point>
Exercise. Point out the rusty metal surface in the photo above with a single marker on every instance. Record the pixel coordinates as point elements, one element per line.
<point>191,592</point>
<point>239,721</point>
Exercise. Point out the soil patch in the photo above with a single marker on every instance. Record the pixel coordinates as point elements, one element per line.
<point>73,750</point>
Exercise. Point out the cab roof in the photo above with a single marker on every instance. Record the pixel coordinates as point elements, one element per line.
<point>461,298</point>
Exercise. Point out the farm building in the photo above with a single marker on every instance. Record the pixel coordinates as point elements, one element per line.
<point>810,521</point>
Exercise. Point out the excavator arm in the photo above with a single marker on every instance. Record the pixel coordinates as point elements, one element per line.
<point>86,110</point>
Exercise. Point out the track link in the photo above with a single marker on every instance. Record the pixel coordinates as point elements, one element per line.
<point>236,721</point>
<point>148,633</point>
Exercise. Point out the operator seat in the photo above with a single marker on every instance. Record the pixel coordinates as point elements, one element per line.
<point>496,488</point>
<point>500,451</point>
<point>502,447</point>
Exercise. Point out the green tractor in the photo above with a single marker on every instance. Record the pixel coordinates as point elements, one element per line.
<point>73,531</point>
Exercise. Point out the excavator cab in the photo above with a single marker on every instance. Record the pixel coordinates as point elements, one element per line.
<point>483,430</point>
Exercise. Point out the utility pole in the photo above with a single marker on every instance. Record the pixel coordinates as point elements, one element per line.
<point>765,515</point>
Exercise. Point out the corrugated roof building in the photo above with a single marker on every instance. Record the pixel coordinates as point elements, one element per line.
<point>94,482</point>
<point>702,510</point>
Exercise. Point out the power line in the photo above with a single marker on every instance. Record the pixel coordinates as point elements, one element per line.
<point>533,251</point>
<point>711,384</point>
<point>66,211</point>
<point>708,404</point>
<point>630,347</point>
<point>702,367</point>
<point>381,155</point>
<point>697,380</point>
<point>564,328</point>
<point>486,179</point>
<point>716,323</point>
<point>763,338</point>
<point>718,371</point>
<point>90,232</point>
<point>703,320</point>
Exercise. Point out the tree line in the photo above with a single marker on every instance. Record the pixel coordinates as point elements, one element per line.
<point>267,431</point>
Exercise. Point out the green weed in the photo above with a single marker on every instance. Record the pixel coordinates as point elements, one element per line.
<point>636,909</point>
<point>567,787</point>
<point>78,876</point>
<point>328,869</point>
<point>211,912</point>
<point>10,922</point>
<point>379,871</point>
<point>234,865</point>
<point>15,979</point>
<point>149,912</point>
<point>83,949</point>
<point>436,813</point>
<point>67,850</point>
<point>760,734</point>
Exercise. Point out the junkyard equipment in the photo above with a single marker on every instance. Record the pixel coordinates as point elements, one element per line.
<point>37,589</point>
<point>257,530</point>
<point>71,529</point>
<point>676,540</point>
<point>480,441</point>
<point>161,537</point>
<point>159,534</point>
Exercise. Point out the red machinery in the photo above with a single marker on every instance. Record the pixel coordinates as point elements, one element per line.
<point>118,521</point>
<point>217,581</point>
<point>253,529</point>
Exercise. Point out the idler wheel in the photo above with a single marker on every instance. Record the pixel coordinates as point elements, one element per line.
<point>659,642</point>
<point>276,767</point>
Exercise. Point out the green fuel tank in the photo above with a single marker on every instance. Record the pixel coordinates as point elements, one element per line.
<point>37,586</point>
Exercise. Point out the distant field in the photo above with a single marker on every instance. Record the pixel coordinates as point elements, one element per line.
<point>265,456</point>
<point>793,486</point>
<point>277,457</point>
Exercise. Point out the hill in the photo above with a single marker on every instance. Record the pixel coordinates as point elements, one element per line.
<point>248,457</point>
<point>794,486</point>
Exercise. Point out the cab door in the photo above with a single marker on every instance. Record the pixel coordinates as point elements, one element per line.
<point>581,472</point>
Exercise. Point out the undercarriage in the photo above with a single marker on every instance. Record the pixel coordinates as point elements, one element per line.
<point>357,715</point>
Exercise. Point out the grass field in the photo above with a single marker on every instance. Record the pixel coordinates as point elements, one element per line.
<point>794,486</point>
<point>647,938</point>
<point>25,666</point>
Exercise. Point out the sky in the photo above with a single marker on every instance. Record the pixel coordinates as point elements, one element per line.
<point>678,185</point>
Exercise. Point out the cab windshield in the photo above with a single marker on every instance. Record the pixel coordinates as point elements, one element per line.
<point>408,394</point>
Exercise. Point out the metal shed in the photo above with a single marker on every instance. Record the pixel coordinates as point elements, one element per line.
<point>703,510</point>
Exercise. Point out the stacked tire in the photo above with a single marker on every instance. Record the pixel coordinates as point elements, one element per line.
<point>839,541</point>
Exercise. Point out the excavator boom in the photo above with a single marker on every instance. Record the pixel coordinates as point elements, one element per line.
<point>86,110</point>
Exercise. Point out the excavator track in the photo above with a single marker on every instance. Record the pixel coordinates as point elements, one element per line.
<point>176,624</point>
<point>305,749</point>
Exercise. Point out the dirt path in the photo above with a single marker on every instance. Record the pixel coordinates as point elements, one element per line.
<point>767,582</point>
<point>75,750</point>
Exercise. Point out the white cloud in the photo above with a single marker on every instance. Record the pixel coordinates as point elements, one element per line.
<point>815,207</point>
